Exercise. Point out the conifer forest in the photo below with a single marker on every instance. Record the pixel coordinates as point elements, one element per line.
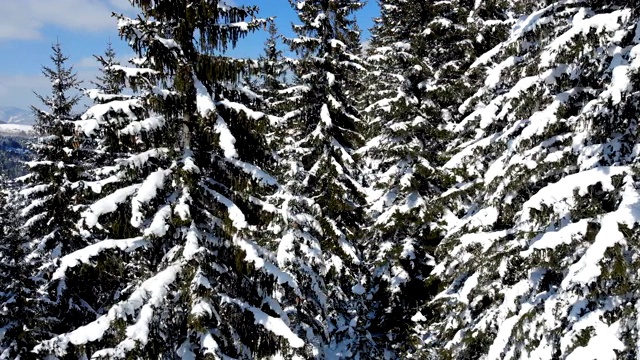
<point>464,184</point>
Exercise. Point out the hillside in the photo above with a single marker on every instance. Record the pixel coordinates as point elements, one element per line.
<point>17,130</point>
<point>13,153</point>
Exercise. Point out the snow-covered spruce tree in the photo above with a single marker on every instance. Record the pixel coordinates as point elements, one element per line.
<point>7,218</point>
<point>22,318</point>
<point>53,188</point>
<point>109,81</point>
<point>183,217</point>
<point>265,82</point>
<point>52,192</point>
<point>418,54</point>
<point>14,280</point>
<point>272,69</point>
<point>108,85</point>
<point>540,264</point>
<point>323,176</point>
<point>5,221</point>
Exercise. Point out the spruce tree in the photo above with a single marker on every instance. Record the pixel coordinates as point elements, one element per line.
<point>6,219</point>
<point>324,177</point>
<point>184,216</point>
<point>272,67</point>
<point>15,339</point>
<point>109,81</point>
<point>539,257</point>
<point>418,54</point>
<point>52,195</point>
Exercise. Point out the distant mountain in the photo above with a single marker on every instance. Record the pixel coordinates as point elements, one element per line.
<point>16,130</point>
<point>14,115</point>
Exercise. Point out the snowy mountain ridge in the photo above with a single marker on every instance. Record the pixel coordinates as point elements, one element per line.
<point>16,130</point>
<point>14,115</point>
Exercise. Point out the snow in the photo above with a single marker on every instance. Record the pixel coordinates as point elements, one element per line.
<point>480,219</point>
<point>28,192</point>
<point>418,317</point>
<point>149,124</point>
<point>145,193</point>
<point>273,324</point>
<point>325,116</point>
<point>233,211</point>
<point>95,116</point>
<point>254,255</point>
<point>331,78</point>
<point>607,21</point>
<point>243,26</point>
<point>255,172</point>
<point>458,159</point>
<point>97,186</point>
<point>587,269</point>
<point>603,344</point>
<point>182,209</point>
<point>209,344</point>
<point>463,294</point>
<point>192,243</point>
<point>132,72</point>
<point>551,239</point>
<point>504,333</point>
<point>148,296</point>
<point>34,205</point>
<point>358,289</point>
<point>184,351</point>
<point>159,225</point>
<point>620,81</point>
<point>108,204</point>
<point>204,102</point>
<point>493,75</point>
<point>170,44</point>
<point>97,94</point>
<point>83,256</point>
<point>469,285</point>
<point>227,140</point>
<point>411,201</point>
<point>140,159</point>
<point>189,163</point>
<point>241,108</point>
<point>16,130</point>
<point>559,195</point>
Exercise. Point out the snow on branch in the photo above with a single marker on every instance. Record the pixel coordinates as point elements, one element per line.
<point>275,325</point>
<point>83,256</point>
<point>148,296</point>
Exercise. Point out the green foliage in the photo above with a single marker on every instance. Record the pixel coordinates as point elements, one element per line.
<point>47,214</point>
<point>110,81</point>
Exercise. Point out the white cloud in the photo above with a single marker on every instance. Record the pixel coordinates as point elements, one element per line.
<point>25,19</point>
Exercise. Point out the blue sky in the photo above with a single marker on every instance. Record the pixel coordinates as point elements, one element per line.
<point>83,27</point>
